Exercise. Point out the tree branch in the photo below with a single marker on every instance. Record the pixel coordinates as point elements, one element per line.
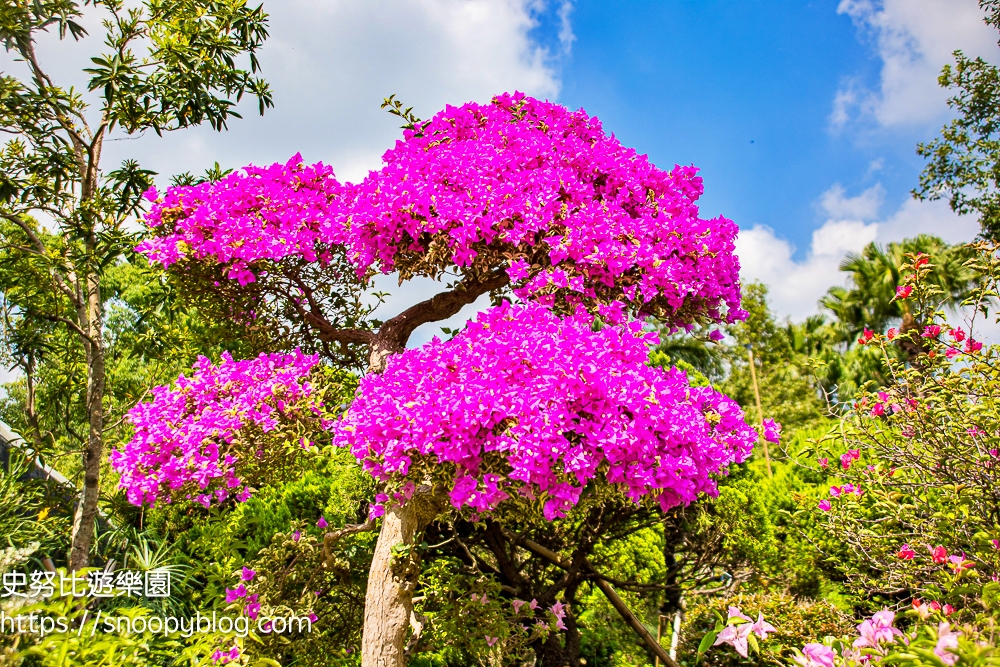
<point>609,592</point>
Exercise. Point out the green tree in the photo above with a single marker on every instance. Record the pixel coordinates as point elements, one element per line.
<point>964,162</point>
<point>870,301</point>
<point>167,65</point>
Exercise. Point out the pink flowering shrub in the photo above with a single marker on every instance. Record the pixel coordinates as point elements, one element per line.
<point>518,185</point>
<point>918,486</point>
<point>524,402</point>
<point>203,437</point>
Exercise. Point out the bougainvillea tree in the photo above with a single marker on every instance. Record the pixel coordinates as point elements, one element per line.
<point>535,400</point>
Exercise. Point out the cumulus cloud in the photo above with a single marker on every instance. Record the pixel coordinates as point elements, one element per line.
<point>914,39</point>
<point>330,63</point>
<point>796,285</point>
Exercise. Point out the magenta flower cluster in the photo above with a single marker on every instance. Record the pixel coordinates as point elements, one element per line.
<point>182,437</point>
<point>523,401</point>
<point>574,212</point>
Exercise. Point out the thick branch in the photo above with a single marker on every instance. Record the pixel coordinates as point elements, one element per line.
<point>331,334</point>
<point>394,333</point>
<point>331,538</point>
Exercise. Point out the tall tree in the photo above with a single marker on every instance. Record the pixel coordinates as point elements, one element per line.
<point>964,162</point>
<point>167,65</point>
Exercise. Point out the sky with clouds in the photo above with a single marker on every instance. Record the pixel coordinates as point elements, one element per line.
<point>803,116</point>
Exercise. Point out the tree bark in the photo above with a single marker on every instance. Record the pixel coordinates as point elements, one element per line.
<point>389,597</point>
<point>92,321</point>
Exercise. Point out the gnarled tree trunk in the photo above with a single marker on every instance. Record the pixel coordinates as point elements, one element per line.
<point>389,598</point>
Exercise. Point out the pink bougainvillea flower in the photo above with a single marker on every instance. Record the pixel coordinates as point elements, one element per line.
<point>761,627</point>
<point>905,552</point>
<point>879,628</point>
<point>931,331</point>
<point>555,428</point>
<point>959,563</point>
<point>947,642</point>
<point>490,641</point>
<point>735,612</point>
<point>247,574</point>
<point>517,604</point>
<point>322,522</point>
<point>772,431</point>
<point>904,291</point>
<point>736,636</point>
<point>958,335</point>
<point>939,554</point>
<point>947,610</point>
<point>823,462</point>
<point>952,352</point>
<point>891,333</point>
<point>313,617</point>
<point>972,345</point>
<point>181,438</point>
<point>835,491</point>
<point>815,655</point>
<point>825,505</point>
<point>518,175</point>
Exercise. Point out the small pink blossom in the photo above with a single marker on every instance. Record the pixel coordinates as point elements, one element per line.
<point>904,291</point>
<point>905,552</point>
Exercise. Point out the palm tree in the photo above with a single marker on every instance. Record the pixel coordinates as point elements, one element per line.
<point>869,300</point>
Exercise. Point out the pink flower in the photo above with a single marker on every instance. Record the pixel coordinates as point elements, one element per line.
<point>815,655</point>
<point>996,544</point>
<point>296,536</point>
<point>517,604</point>
<point>736,636</point>
<point>905,552</point>
<point>322,522</point>
<point>972,345</point>
<point>490,641</point>
<point>903,291</point>
<point>247,574</point>
<point>716,335</point>
<point>947,610</point>
<point>959,563</point>
<point>823,462</point>
<point>824,505</point>
<point>313,617</point>
<point>772,431</point>
<point>734,612</point>
<point>234,594</point>
<point>891,333</point>
<point>951,353</point>
<point>835,491</point>
<point>879,628</point>
<point>958,335</point>
<point>946,643</point>
<point>939,554</point>
<point>931,331</point>
<point>150,194</point>
<point>762,627</point>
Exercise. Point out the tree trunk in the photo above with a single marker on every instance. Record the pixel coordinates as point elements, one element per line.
<point>86,510</point>
<point>389,598</point>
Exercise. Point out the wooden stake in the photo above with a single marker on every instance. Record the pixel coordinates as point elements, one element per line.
<point>760,411</point>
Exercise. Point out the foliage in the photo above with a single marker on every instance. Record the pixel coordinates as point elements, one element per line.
<point>913,474</point>
<point>796,622</point>
<point>964,162</point>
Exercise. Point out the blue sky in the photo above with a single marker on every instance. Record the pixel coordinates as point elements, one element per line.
<point>803,116</point>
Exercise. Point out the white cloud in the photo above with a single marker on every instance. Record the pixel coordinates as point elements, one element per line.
<point>797,285</point>
<point>865,206</point>
<point>914,39</point>
<point>330,63</point>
